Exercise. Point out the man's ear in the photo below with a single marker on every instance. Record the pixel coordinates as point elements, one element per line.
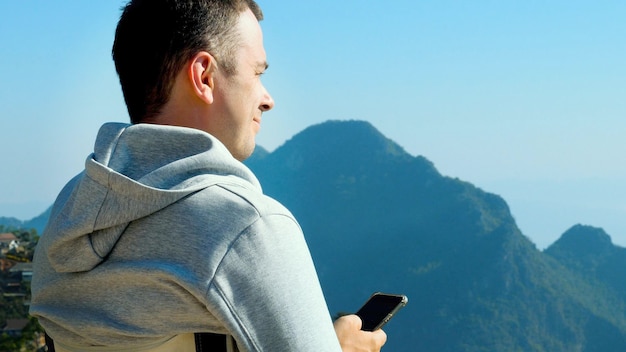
<point>201,75</point>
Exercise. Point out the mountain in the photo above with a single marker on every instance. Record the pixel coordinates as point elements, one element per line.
<point>10,222</point>
<point>38,223</point>
<point>591,253</point>
<point>379,219</point>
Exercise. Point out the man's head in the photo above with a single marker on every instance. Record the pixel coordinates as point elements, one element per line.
<point>192,58</point>
<point>155,38</point>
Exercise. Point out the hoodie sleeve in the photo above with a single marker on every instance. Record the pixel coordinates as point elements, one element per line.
<point>267,291</point>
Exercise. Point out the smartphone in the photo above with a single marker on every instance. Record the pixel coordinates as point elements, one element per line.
<point>379,309</point>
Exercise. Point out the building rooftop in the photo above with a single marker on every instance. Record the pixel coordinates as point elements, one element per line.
<point>7,237</point>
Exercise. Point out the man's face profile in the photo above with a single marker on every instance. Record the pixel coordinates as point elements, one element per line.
<point>240,97</point>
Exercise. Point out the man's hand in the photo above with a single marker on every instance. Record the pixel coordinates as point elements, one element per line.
<point>352,339</point>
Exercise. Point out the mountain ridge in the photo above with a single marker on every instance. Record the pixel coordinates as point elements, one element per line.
<point>38,222</point>
<point>474,280</point>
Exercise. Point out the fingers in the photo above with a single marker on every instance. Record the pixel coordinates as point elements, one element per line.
<point>351,321</point>
<point>380,337</point>
<point>352,338</point>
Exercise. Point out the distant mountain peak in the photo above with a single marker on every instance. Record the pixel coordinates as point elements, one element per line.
<point>583,241</point>
<point>38,223</point>
<point>345,138</point>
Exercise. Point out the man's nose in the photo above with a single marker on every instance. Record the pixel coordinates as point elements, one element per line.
<point>268,102</point>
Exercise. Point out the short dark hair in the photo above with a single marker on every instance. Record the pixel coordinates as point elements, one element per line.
<point>155,38</point>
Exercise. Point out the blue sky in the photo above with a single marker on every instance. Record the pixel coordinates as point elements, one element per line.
<point>525,99</point>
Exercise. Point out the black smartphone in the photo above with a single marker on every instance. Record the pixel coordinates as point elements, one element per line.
<point>379,309</point>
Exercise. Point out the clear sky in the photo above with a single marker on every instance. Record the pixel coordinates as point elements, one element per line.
<point>525,99</point>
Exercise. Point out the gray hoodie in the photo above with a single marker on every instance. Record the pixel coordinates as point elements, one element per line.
<point>163,233</point>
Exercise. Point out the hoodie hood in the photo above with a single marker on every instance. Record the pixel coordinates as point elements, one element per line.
<point>135,170</point>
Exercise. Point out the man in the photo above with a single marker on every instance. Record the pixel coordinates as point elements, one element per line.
<point>165,233</point>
